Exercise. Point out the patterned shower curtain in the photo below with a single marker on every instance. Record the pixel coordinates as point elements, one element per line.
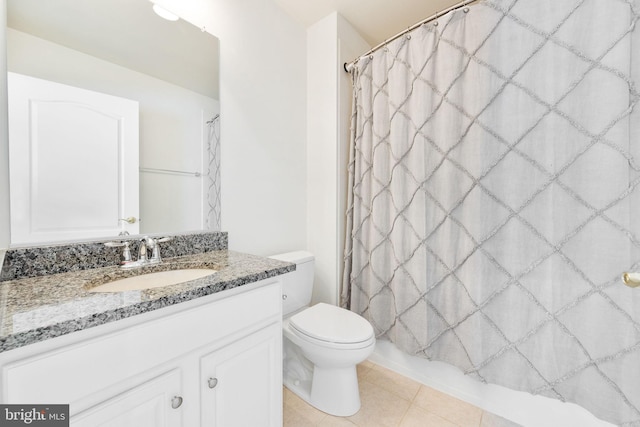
<point>212,176</point>
<point>495,199</point>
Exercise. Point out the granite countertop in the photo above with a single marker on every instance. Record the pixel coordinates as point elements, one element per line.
<point>38,308</point>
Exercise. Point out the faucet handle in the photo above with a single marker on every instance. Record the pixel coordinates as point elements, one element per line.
<point>155,255</point>
<point>126,252</point>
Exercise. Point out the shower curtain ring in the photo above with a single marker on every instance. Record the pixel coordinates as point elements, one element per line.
<point>435,20</point>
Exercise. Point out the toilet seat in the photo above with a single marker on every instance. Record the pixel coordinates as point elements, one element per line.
<point>332,326</point>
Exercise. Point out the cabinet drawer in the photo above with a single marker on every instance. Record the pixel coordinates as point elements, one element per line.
<point>69,373</point>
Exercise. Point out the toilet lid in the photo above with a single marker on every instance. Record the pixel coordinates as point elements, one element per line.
<point>332,324</point>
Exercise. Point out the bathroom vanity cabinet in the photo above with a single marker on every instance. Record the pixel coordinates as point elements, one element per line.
<point>212,361</point>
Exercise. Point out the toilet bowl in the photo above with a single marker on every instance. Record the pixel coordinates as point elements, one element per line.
<point>322,344</point>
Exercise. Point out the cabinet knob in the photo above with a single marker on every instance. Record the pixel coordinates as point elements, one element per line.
<point>213,382</point>
<point>176,402</point>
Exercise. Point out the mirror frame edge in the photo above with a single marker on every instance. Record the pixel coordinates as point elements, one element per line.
<point>5,230</point>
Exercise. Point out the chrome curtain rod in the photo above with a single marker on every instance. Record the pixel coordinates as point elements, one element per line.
<point>348,66</point>
<point>170,172</point>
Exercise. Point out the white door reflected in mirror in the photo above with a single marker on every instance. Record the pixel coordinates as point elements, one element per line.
<point>74,162</point>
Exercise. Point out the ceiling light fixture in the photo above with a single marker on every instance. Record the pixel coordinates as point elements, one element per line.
<point>164,13</point>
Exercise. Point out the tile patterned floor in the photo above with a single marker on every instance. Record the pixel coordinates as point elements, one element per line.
<point>392,400</point>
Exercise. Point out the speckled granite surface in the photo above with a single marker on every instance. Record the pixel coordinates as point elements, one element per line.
<point>44,260</point>
<point>38,308</point>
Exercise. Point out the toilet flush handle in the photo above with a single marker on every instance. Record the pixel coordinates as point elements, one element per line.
<point>213,382</point>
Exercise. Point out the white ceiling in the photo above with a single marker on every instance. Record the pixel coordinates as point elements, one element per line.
<point>375,20</point>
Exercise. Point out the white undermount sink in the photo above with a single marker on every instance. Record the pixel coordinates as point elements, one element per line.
<point>153,280</point>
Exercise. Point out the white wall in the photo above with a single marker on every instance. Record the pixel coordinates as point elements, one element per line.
<point>4,141</point>
<point>329,42</point>
<point>322,158</point>
<point>263,120</point>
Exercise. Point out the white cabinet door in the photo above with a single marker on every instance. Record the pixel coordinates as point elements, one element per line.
<point>242,382</point>
<point>155,403</point>
<point>74,162</point>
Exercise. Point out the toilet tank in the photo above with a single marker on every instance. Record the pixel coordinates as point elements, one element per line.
<point>296,285</point>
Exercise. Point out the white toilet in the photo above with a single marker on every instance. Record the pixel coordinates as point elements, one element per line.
<point>322,343</point>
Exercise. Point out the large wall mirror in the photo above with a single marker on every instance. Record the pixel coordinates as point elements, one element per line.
<point>120,49</point>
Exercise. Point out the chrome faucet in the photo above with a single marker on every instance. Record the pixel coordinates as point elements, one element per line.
<point>147,244</point>
<point>142,250</point>
<point>153,245</point>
